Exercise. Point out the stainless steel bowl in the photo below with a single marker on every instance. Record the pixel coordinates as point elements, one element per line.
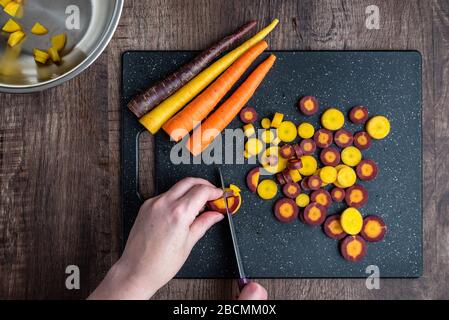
<point>98,19</point>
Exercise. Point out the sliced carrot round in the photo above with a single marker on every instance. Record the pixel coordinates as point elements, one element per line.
<point>267,189</point>
<point>287,131</point>
<point>306,130</point>
<point>373,229</point>
<point>295,175</point>
<point>276,141</point>
<point>286,210</point>
<point>358,114</point>
<point>298,150</point>
<point>351,156</point>
<point>343,138</point>
<point>308,146</point>
<point>351,221</point>
<point>338,194</point>
<point>353,248</point>
<point>322,197</point>
<point>253,146</point>
<point>234,201</point>
<point>314,182</point>
<point>356,196</point>
<point>248,130</point>
<point>323,138</point>
<point>280,178</point>
<point>252,179</point>
<point>309,165</point>
<point>277,120</point>
<point>248,115</point>
<point>308,105</point>
<point>287,151</point>
<point>281,162</point>
<point>314,214</point>
<point>267,136</point>
<point>362,140</point>
<point>291,190</point>
<point>302,200</point>
<point>330,156</point>
<point>332,119</point>
<point>265,123</point>
<point>293,164</point>
<point>367,170</point>
<point>333,229</point>
<point>287,176</point>
<point>378,127</point>
<point>328,174</point>
<point>346,177</point>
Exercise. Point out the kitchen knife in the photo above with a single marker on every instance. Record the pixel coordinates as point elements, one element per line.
<point>243,281</point>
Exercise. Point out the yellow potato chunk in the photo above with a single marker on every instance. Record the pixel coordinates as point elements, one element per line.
<point>40,56</point>
<point>11,26</point>
<point>54,55</point>
<point>39,29</point>
<point>58,41</point>
<point>15,38</point>
<point>13,9</point>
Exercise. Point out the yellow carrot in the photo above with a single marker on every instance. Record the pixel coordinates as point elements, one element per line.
<point>198,109</point>
<point>204,134</point>
<point>154,119</point>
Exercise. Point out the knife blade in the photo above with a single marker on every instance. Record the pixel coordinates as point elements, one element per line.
<point>243,281</point>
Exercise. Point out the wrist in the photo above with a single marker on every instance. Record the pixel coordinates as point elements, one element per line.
<point>121,283</point>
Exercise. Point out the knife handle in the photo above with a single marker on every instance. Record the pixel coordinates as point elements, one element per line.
<point>242,283</point>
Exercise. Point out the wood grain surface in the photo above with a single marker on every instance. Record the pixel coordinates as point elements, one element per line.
<point>60,151</point>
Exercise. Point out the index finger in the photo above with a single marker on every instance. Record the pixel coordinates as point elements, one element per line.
<point>184,185</point>
<point>197,197</point>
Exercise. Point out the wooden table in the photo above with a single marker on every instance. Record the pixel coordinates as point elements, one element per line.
<point>59,149</point>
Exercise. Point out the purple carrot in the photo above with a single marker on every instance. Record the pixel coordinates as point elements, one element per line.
<point>154,95</point>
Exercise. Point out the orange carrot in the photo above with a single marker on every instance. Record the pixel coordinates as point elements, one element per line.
<point>185,120</point>
<point>203,136</point>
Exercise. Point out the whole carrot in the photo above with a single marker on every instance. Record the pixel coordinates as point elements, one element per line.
<point>195,112</point>
<point>154,119</point>
<point>203,136</point>
<point>155,94</point>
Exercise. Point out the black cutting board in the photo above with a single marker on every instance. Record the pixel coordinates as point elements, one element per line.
<point>387,82</point>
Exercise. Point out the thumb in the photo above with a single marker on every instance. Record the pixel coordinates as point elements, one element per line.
<point>253,291</point>
<point>203,223</point>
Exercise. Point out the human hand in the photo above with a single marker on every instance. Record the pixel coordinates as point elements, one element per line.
<point>253,291</point>
<point>165,231</point>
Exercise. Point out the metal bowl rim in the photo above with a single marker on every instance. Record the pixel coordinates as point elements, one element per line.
<point>86,63</point>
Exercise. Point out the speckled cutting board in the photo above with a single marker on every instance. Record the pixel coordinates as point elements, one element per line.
<point>387,83</point>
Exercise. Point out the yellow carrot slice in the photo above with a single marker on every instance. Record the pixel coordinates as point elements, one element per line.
<point>38,29</point>
<point>154,119</point>
<point>11,26</point>
<point>58,41</point>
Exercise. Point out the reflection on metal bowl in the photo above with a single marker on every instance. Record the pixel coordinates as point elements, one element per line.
<point>98,20</point>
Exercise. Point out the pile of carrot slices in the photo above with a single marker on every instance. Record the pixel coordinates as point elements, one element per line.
<point>181,102</point>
